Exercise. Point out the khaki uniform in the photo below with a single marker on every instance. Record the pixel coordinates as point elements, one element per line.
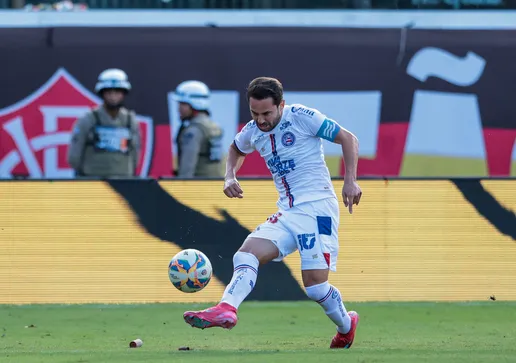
<point>199,146</point>
<point>105,147</point>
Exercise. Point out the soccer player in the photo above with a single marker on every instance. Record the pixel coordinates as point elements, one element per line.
<point>289,137</point>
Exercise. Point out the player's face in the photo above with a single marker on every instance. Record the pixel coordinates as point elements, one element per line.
<point>265,113</point>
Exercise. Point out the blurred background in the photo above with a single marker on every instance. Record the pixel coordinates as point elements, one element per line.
<point>279,4</point>
<point>428,87</point>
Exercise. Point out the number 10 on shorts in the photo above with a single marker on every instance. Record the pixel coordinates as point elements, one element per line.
<point>306,241</point>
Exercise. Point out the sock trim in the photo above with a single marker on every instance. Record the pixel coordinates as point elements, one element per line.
<point>320,301</point>
<point>243,266</point>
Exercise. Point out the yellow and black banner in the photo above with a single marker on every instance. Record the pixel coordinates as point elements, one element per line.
<point>95,241</point>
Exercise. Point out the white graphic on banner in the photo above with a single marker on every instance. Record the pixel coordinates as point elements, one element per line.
<point>444,123</point>
<point>435,62</point>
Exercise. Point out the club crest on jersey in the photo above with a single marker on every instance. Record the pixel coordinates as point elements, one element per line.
<point>288,139</point>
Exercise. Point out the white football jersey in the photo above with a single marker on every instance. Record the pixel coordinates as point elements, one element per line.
<point>293,152</point>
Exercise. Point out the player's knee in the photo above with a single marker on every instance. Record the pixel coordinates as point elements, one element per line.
<point>245,258</point>
<point>264,250</point>
<point>256,253</point>
<point>314,277</point>
<point>318,292</point>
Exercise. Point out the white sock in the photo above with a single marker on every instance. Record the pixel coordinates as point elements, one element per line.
<point>329,298</point>
<point>244,278</point>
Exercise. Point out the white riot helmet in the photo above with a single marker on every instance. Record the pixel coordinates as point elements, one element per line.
<point>113,78</point>
<point>194,93</point>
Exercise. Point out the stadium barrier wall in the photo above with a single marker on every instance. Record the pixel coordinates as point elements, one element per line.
<point>396,89</point>
<point>111,241</point>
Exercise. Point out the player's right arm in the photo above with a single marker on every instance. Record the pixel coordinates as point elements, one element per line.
<point>238,150</point>
<point>78,143</point>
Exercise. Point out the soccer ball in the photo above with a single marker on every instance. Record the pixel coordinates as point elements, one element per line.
<point>190,270</point>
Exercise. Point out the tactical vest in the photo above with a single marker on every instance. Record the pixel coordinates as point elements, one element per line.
<point>113,139</point>
<point>213,135</point>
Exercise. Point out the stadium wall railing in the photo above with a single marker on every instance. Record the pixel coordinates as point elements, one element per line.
<point>111,241</point>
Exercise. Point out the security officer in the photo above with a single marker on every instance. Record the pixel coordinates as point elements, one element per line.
<point>199,140</point>
<point>106,141</point>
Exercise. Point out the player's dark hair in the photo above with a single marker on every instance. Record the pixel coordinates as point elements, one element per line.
<point>264,87</point>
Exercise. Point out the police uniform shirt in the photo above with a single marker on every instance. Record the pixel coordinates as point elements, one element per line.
<point>199,148</point>
<point>105,146</point>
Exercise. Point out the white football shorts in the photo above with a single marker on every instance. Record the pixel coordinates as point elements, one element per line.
<point>311,228</point>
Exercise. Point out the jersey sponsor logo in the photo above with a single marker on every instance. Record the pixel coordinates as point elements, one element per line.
<point>288,139</point>
<point>302,110</point>
<point>285,125</point>
<point>36,131</point>
<point>306,241</point>
<point>280,167</point>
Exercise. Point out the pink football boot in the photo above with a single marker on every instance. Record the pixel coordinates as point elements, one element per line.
<point>222,315</point>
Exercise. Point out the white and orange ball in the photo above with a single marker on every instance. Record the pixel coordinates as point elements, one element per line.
<point>190,270</point>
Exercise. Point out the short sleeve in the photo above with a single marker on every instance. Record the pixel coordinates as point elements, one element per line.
<point>314,122</point>
<point>243,139</point>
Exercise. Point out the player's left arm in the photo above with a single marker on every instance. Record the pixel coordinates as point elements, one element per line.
<point>349,144</point>
<point>351,192</point>
<point>319,125</point>
<point>332,131</point>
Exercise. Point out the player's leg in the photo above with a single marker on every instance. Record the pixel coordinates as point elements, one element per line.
<point>317,234</point>
<point>270,241</point>
<point>246,261</point>
<point>254,251</point>
<point>329,298</point>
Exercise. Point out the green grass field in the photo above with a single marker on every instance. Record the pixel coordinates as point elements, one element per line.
<point>266,332</point>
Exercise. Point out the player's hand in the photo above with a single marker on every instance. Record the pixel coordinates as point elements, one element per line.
<point>232,188</point>
<point>351,193</point>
